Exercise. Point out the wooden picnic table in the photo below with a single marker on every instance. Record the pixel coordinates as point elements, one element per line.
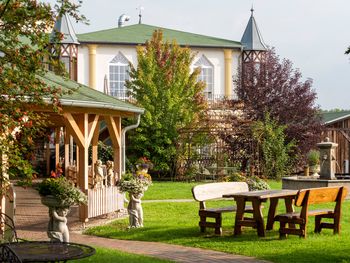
<point>257,198</point>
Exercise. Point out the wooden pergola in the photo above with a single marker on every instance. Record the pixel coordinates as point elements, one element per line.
<point>83,109</point>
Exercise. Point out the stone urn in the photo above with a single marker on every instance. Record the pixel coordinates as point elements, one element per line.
<point>315,169</point>
<point>57,229</point>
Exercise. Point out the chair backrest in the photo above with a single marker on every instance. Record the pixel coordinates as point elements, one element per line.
<point>8,255</point>
<point>211,191</point>
<point>7,229</point>
<point>321,195</point>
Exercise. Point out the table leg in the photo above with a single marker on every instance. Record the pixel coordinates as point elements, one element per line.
<point>288,201</point>
<point>240,202</point>
<point>271,214</point>
<point>258,217</point>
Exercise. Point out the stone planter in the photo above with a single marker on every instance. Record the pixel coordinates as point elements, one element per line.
<point>51,201</point>
<point>57,229</point>
<point>315,169</point>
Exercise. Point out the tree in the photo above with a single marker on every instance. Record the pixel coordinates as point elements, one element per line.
<point>165,87</point>
<point>275,152</point>
<point>24,57</point>
<point>276,88</point>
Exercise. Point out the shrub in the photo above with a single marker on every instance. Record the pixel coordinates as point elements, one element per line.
<point>277,154</point>
<point>254,183</point>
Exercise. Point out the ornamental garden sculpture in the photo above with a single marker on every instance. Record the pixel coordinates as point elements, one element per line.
<point>59,195</point>
<point>135,184</point>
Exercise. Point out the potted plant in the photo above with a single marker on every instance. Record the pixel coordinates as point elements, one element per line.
<point>59,194</point>
<point>143,163</point>
<point>135,184</point>
<point>313,160</point>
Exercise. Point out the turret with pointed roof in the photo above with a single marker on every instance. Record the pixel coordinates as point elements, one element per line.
<point>68,51</point>
<point>254,48</point>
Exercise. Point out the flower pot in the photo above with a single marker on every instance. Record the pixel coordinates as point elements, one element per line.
<point>315,169</point>
<point>51,201</point>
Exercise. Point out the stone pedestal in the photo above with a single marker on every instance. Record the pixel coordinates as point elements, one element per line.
<point>327,159</point>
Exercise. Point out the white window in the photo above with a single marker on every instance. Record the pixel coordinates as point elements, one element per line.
<point>118,74</point>
<point>206,75</point>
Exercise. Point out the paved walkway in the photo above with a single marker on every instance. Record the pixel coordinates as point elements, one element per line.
<point>32,218</point>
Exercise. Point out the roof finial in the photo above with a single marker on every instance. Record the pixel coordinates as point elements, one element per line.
<point>140,8</point>
<point>252,9</point>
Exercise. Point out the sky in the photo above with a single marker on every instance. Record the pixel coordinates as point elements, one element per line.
<point>312,34</point>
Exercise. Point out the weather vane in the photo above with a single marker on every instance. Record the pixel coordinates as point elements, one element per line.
<point>140,8</point>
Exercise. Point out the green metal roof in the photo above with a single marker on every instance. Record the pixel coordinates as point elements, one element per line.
<point>140,33</point>
<point>82,96</point>
<point>331,117</point>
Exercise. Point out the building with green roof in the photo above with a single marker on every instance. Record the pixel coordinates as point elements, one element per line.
<point>101,59</point>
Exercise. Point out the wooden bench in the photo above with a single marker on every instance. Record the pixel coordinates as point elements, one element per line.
<point>306,197</point>
<point>214,191</point>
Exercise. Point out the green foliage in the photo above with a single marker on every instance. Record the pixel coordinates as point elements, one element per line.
<point>105,152</point>
<point>254,182</point>
<point>276,153</point>
<point>165,87</point>
<point>63,190</point>
<point>24,57</point>
<point>313,157</point>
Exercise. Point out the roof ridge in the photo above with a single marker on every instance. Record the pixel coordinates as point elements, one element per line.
<point>164,29</point>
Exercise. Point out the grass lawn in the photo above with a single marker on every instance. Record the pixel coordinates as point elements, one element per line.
<point>110,255</point>
<point>169,190</point>
<point>179,225</point>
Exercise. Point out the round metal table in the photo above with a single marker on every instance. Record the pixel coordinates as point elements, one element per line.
<point>46,251</point>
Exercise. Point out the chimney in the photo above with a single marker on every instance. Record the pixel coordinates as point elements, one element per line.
<point>122,19</point>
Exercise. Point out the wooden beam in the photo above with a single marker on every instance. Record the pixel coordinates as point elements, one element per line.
<point>92,128</point>
<point>114,128</point>
<point>74,129</point>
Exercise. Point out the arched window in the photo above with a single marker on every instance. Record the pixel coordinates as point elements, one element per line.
<point>206,75</point>
<point>118,73</point>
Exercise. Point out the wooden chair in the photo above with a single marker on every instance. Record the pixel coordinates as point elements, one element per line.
<point>306,197</point>
<point>214,191</point>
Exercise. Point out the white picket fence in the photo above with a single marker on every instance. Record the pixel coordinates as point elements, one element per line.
<point>104,200</point>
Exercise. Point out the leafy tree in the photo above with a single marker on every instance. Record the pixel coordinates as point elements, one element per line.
<point>276,88</point>
<point>274,150</point>
<point>23,46</point>
<point>165,87</point>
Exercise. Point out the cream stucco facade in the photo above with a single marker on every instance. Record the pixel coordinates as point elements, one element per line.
<point>94,61</point>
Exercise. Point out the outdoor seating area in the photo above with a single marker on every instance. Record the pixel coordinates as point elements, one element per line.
<point>210,194</point>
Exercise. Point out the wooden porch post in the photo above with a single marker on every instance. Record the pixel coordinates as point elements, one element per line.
<point>66,151</point>
<point>57,145</point>
<point>82,127</point>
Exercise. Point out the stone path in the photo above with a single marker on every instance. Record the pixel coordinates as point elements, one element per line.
<point>32,217</point>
